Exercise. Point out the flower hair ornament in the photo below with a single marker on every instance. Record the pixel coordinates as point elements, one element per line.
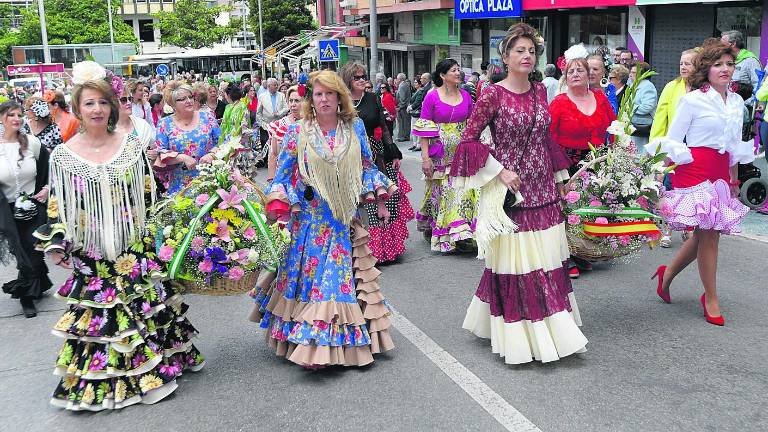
<point>575,52</point>
<point>40,108</point>
<point>91,71</point>
<point>305,87</point>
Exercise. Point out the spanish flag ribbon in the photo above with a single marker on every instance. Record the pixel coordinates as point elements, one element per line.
<point>620,228</point>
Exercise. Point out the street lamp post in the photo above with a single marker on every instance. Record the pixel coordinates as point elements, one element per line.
<point>261,46</point>
<point>111,31</point>
<point>374,31</point>
<point>44,32</point>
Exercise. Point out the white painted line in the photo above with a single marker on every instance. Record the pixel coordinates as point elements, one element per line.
<point>755,237</point>
<point>510,418</point>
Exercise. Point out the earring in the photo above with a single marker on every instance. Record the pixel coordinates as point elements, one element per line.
<point>338,108</point>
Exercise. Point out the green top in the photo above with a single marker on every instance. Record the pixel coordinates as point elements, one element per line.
<point>235,119</point>
<point>665,110</point>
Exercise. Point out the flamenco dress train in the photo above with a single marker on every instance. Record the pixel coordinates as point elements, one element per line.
<point>126,337</point>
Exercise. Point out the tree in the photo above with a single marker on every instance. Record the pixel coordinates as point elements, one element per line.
<point>281,18</point>
<point>74,22</point>
<point>192,24</point>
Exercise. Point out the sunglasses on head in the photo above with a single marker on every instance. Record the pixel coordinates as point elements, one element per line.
<point>126,99</point>
<point>359,77</point>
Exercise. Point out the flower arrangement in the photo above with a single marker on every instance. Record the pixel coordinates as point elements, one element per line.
<point>215,229</point>
<point>612,201</point>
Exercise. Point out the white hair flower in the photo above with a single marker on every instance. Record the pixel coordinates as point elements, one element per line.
<point>575,52</point>
<point>87,71</point>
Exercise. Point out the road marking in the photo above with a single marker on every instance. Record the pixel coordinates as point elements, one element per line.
<point>509,417</point>
<point>755,237</point>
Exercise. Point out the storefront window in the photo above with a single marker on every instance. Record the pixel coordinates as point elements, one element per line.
<point>595,30</point>
<point>747,20</point>
<point>499,28</point>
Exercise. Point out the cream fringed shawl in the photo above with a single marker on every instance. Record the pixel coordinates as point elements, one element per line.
<point>103,206</point>
<point>336,174</point>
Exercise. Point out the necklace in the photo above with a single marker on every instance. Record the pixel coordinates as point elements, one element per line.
<point>357,101</point>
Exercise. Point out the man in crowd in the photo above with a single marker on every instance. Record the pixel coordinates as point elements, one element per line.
<point>414,108</point>
<point>746,61</point>
<point>617,54</point>
<point>627,58</point>
<point>272,106</point>
<point>403,99</point>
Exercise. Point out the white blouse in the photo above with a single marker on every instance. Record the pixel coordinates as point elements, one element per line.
<point>9,168</point>
<point>703,119</point>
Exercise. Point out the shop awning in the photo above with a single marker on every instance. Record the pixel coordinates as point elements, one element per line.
<point>395,46</point>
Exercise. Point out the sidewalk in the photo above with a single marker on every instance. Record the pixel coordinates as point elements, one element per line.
<point>755,224</point>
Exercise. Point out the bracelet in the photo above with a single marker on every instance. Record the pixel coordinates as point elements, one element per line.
<point>735,182</point>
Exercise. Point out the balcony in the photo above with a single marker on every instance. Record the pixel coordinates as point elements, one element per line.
<point>362,7</point>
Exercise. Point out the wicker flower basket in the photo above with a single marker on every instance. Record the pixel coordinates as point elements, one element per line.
<point>220,287</point>
<point>594,252</point>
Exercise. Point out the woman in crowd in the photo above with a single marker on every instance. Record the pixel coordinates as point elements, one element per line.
<point>704,140</point>
<point>387,236</point>
<point>237,120</point>
<point>619,76</point>
<point>389,103</point>
<point>140,108</point>
<point>68,124</point>
<point>200,91</point>
<point>447,213</point>
<point>524,303</point>
<point>278,128</point>
<point>644,107</point>
<point>41,124</point>
<point>216,105</point>
<point>580,117</point>
<point>126,337</point>
<point>319,312</point>
<point>23,173</point>
<point>665,113</point>
<point>127,123</point>
<point>156,103</point>
<point>184,139</point>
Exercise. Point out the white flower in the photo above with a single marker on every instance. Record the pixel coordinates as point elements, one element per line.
<point>617,128</point>
<point>167,231</point>
<point>649,182</point>
<point>87,71</point>
<point>228,147</point>
<point>253,255</point>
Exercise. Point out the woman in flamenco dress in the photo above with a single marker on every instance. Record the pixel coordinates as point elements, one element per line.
<point>325,307</point>
<point>126,336</point>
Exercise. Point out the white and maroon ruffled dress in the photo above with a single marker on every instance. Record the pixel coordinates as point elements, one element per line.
<point>524,303</point>
<point>704,140</point>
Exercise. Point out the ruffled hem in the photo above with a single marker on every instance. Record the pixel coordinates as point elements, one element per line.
<point>387,243</point>
<point>549,339</point>
<point>469,158</point>
<point>28,287</point>
<point>444,239</point>
<point>707,206</point>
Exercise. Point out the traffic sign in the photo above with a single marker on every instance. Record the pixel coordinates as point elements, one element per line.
<point>162,69</point>
<point>329,50</point>
<point>41,68</point>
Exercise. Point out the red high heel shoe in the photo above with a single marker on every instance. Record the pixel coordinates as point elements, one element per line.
<point>660,275</point>
<point>710,319</point>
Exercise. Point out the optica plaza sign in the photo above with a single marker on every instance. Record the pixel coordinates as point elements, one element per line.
<point>573,4</point>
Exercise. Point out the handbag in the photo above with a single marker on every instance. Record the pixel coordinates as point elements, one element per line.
<point>510,198</point>
<point>24,209</point>
<point>641,130</point>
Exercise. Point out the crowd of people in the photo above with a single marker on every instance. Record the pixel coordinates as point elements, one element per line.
<point>79,178</point>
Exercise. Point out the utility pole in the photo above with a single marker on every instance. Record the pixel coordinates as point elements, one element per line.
<point>374,33</point>
<point>111,31</point>
<point>44,32</point>
<point>261,46</point>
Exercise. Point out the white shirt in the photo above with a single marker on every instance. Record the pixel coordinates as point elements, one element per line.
<point>9,168</point>
<point>703,119</point>
<point>142,111</point>
<point>551,84</point>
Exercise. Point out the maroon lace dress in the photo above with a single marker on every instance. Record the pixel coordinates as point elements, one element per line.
<point>524,303</point>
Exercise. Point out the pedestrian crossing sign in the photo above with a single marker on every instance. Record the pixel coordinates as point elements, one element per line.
<point>329,50</point>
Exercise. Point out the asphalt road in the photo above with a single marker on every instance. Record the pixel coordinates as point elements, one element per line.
<point>649,366</point>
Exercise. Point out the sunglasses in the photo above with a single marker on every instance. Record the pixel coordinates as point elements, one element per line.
<point>359,77</point>
<point>126,99</point>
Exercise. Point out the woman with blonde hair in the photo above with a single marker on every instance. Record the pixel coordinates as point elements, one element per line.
<point>325,307</point>
<point>184,140</point>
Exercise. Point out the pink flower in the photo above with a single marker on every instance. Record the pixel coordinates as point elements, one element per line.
<point>666,209</point>
<point>202,199</point>
<point>595,203</point>
<point>198,243</point>
<point>601,221</point>
<point>165,253</point>
<point>231,199</point>
<point>642,202</point>
<point>249,233</point>
<point>572,196</point>
<point>205,266</point>
<point>625,240</point>
<point>321,325</point>
<point>345,288</point>
<point>95,283</point>
<point>315,294</point>
<point>222,231</point>
<point>236,273</point>
<point>574,219</point>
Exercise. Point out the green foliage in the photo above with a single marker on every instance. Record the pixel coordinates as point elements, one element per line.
<point>281,18</point>
<point>192,24</point>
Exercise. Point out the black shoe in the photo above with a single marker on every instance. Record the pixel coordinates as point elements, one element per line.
<point>416,149</point>
<point>28,306</point>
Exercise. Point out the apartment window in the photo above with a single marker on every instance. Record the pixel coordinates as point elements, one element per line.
<point>453,27</point>
<point>418,26</point>
<point>146,31</point>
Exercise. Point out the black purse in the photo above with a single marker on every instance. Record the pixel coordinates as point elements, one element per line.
<point>510,199</point>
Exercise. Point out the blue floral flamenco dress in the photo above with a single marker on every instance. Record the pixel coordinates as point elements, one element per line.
<point>126,336</point>
<point>325,306</point>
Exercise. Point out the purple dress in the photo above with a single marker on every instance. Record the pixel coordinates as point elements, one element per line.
<point>524,303</point>
<point>448,212</point>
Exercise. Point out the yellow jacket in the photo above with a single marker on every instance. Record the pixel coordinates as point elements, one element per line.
<point>665,110</point>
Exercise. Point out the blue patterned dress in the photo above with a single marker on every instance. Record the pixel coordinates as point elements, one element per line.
<point>172,139</point>
<point>312,311</point>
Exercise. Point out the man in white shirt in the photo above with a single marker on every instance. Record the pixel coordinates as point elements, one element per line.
<point>272,106</point>
<point>550,82</point>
